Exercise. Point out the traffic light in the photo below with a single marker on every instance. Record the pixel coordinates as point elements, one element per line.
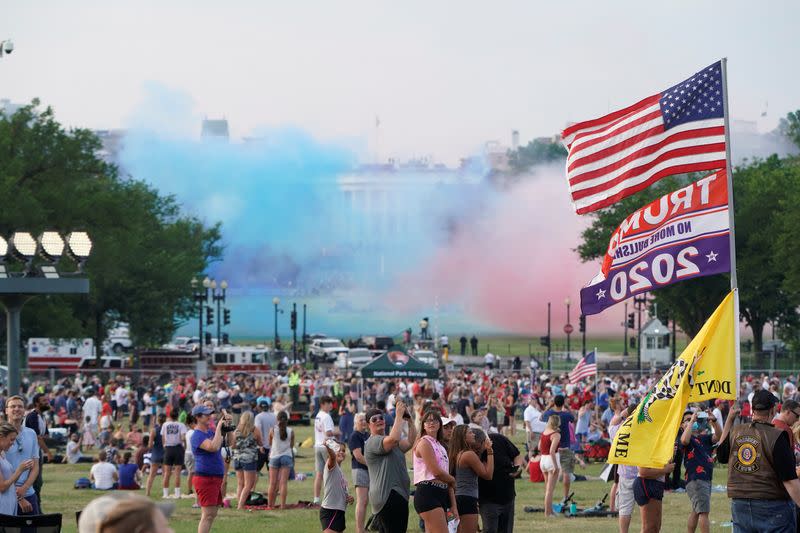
<point>582,323</point>
<point>209,316</point>
<point>226,313</point>
<point>544,341</point>
<point>293,320</point>
<point>631,322</point>
<point>208,338</point>
<point>225,339</point>
<point>633,342</point>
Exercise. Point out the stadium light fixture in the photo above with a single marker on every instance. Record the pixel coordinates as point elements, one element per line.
<point>79,245</point>
<point>24,246</point>
<point>51,246</point>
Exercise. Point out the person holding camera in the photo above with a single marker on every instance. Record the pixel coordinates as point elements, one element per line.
<point>698,445</point>
<point>386,463</point>
<point>209,465</point>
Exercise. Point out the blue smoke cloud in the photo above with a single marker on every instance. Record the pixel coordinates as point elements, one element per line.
<point>302,221</point>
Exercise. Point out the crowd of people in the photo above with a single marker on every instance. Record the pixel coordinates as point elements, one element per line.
<point>457,432</point>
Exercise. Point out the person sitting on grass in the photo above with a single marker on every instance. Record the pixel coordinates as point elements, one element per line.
<point>130,478</point>
<point>103,475</point>
<point>74,454</point>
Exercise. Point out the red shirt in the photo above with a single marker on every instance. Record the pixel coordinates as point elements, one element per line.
<point>780,424</point>
<point>535,471</point>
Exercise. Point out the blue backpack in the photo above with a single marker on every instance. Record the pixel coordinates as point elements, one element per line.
<point>83,483</point>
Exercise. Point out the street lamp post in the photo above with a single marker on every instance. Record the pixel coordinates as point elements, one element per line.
<point>200,295</point>
<point>276,301</point>
<point>568,327</point>
<point>218,296</point>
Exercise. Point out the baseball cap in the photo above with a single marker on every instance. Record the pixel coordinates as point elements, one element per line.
<point>763,400</point>
<point>201,410</point>
<point>97,509</point>
<point>446,420</point>
<point>373,412</point>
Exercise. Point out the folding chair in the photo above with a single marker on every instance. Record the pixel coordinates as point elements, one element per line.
<point>42,523</point>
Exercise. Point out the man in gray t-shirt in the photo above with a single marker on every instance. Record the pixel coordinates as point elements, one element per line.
<point>388,473</point>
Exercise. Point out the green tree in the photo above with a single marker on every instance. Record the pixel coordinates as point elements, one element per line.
<point>534,153</point>
<point>790,127</point>
<point>145,250</point>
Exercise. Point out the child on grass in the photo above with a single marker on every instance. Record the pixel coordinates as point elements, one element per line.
<point>335,497</point>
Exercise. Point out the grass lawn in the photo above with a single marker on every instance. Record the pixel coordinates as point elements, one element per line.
<point>60,497</point>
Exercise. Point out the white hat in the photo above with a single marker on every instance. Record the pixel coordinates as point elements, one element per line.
<point>446,420</point>
<point>97,509</point>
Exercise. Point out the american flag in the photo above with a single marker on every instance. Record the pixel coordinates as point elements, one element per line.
<point>679,130</point>
<point>586,367</point>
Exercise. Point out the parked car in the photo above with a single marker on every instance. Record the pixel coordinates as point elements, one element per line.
<point>326,350</point>
<point>426,356</point>
<point>356,358</point>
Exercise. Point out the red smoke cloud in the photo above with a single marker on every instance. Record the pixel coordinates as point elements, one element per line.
<point>504,264</point>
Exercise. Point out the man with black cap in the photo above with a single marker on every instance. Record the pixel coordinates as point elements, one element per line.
<point>762,481</point>
<point>265,421</point>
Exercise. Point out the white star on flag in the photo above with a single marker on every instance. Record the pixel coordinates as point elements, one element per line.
<point>711,256</point>
<point>601,294</point>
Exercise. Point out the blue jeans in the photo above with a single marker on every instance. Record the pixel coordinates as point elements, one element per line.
<point>763,516</point>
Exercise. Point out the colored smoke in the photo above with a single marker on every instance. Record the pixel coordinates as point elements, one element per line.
<point>473,256</point>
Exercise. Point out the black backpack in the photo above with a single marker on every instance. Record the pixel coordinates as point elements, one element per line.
<point>256,498</point>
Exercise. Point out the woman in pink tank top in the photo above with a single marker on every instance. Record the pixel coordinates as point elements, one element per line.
<point>435,487</point>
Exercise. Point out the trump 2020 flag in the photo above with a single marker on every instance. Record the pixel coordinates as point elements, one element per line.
<point>705,370</point>
<point>672,132</point>
<point>684,234</point>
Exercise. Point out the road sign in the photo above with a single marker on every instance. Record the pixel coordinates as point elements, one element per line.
<point>568,329</point>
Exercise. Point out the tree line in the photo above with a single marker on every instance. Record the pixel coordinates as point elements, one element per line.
<point>145,248</point>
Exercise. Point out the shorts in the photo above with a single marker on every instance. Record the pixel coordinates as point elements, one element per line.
<point>331,519</point>
<point>547,464</point>
<point>320,458</point>
<point>466,505</point>
<point>699,492</point>
<point>282,461</point>
<point>188,461</point>
<point>625,499</point>
<point>157,457</point>
<point>208,490</point>
<point>249,466</point>
<point>566,459</point>
<point>361,477</point>
<point>645,490</point>
<point>428,497</point>
<point>173,456</point>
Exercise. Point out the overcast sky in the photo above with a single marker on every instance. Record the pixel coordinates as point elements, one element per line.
<point>444,77</point>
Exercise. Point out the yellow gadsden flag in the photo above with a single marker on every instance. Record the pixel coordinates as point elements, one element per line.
<point>705,370</point>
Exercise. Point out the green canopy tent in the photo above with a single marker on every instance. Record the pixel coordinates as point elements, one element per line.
<point>395,363</point>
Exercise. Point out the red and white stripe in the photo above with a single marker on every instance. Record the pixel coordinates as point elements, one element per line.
<point>582,371</point>
<point>624,152</point>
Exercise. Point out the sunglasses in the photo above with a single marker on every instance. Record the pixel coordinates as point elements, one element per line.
<point>795,413</point>
<point>376,418</point>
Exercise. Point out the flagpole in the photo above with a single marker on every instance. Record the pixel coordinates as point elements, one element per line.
<point>731,218</point>
<point>596,380</point>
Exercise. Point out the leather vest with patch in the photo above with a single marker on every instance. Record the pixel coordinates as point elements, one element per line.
<point>751,474</point>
